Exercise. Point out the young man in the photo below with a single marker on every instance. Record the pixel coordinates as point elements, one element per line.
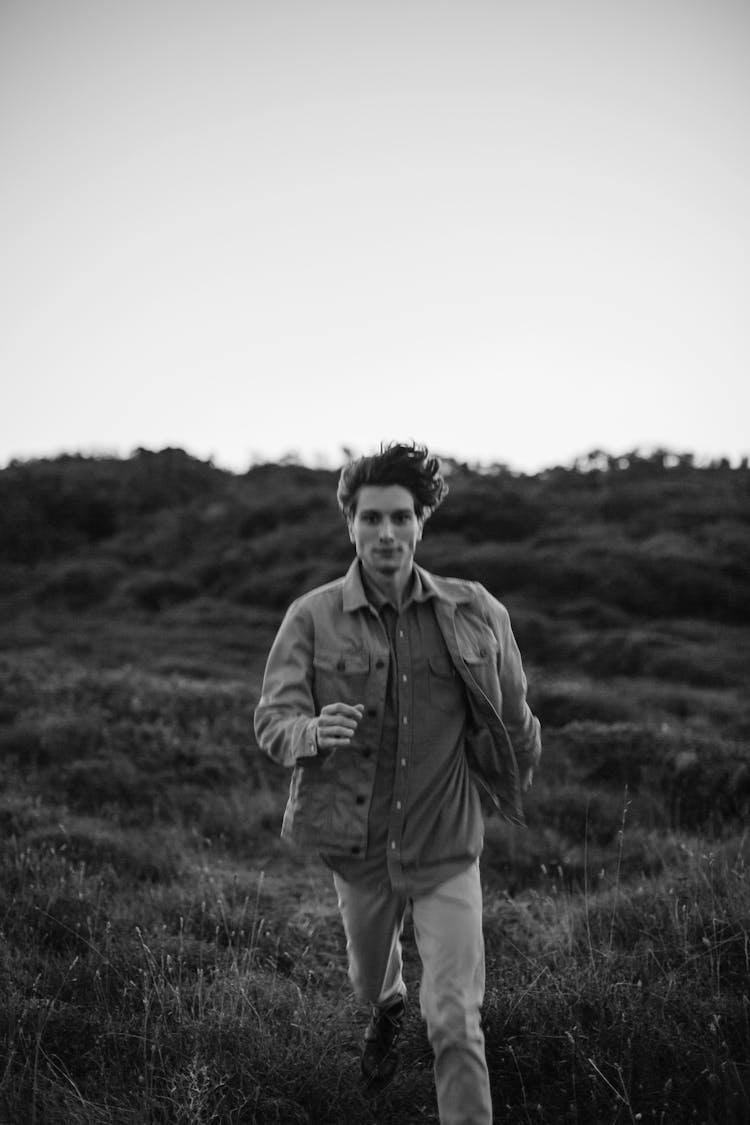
<point>399,699</point>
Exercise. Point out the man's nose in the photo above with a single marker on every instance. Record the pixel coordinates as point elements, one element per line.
<point>386,530</point>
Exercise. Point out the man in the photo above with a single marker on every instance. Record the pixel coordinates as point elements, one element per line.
<point>400,700</point>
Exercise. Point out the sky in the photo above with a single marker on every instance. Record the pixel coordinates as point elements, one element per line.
<point>514,230</point>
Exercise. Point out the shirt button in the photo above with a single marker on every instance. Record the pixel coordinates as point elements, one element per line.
<point>405,719</point>
<point>393,845</point>
<point>398,805</point>
<point>403,762</point>
<point>405,678</point>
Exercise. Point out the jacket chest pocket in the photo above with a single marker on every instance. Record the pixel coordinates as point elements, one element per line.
<point>481,660</point>
<point>479,654</point>
<point>340,677</point>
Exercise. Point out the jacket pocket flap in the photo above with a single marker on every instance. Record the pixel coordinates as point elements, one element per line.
<point>479,652</point>
<point>343,663</point>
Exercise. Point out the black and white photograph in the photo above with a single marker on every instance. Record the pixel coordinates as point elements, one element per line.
<point>375,562</point>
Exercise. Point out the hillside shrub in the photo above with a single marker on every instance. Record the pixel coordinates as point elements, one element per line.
<point>108,781</point>
<point>145,856</point>
<point>559,702</point>
<point>291,508</point>
<point>709,658</point>
<point>578,813</point>
<point>490,508</point>
<point>49,739</point>
<point>155,591</point>
<point>78,584</point>
<point>701,782</point>
<point>169,478</point>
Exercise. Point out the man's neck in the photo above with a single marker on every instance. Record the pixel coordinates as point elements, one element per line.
<point>394,589</point>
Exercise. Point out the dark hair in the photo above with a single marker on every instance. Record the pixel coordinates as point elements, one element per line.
<point>397,463</point>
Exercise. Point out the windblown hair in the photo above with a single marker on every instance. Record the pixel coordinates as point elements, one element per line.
<point>408,465</point>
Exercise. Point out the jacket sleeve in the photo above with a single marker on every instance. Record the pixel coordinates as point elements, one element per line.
<point>523,727</point>
<point>285,721</point>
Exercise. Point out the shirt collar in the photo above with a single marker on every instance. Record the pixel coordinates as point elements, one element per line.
<point>359,593</point>
<point>426,586</point>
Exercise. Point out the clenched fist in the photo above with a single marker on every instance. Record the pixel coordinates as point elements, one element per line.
<point>337,723</point>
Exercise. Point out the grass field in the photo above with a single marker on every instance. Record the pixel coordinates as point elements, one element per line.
<point>165,959</point>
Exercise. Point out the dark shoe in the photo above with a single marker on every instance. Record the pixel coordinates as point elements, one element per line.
<point>380,1057</point>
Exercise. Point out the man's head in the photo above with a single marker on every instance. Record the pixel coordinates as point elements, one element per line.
<point>407,465</point>
<point>386,499</point>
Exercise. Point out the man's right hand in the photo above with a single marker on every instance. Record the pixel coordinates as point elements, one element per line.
<point>337,723</point>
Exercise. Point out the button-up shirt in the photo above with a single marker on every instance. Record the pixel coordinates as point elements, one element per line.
<point>425,821</point>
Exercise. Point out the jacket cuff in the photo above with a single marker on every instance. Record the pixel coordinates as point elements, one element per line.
<point>309,743</point>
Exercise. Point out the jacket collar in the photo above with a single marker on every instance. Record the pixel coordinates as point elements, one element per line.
<point>449,590</point>
<point>444,589</point>
<point>354,596</point>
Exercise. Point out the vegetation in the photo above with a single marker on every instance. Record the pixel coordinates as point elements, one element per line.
<point>165,959</point>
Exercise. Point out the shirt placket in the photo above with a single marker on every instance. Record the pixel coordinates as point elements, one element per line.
<point>405,711</point>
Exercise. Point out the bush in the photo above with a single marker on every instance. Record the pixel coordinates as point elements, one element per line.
<point>578,813</point>
<point>49,740</point>
<point>76,585</point>
<point>557,703</point>
<point>107,781</point>
<point>144,856</point>
<point>153,591</point>
<point>700,782</point>
<point>489,509</point>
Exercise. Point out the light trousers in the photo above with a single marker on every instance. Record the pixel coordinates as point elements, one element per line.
<point>448,933</point>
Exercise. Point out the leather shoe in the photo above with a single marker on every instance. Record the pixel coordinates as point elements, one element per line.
<point>380,1056</point>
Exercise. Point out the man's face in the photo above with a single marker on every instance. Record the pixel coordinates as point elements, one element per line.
<point>385,531</point>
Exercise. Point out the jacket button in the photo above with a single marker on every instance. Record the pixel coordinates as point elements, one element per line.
<point>360,800</point>
<point>341,665</point>
<point>372,712</point>
<point>380,663</point>
<point>355,849</point>
<point>366,752</point>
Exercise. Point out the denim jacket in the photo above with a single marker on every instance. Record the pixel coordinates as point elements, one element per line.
<point>328,649</point>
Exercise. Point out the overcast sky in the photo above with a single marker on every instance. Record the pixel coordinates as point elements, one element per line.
<point>516,230</point>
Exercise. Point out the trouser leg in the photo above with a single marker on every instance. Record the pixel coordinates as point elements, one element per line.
<point>448,933</point>
<point>373,919</point>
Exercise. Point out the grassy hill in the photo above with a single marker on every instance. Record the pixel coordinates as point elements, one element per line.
<point>163,958</point>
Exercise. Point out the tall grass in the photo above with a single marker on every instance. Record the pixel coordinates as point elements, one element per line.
<point>637,1004</point>
<point>164,960</point>
<point>220,995</point>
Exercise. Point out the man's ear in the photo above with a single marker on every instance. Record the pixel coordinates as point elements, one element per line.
<point>350,526</point>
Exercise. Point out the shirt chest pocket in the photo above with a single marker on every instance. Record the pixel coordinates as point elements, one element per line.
<point>340,677</point>
<point>444,684</point>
